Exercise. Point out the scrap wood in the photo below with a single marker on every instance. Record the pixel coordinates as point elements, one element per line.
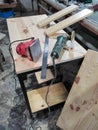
<point>80,111</point>
<point>68,21</point>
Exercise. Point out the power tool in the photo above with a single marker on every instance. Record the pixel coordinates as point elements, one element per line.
<point>55,54</point>
<point>30,49</point>
<point>59,45</point>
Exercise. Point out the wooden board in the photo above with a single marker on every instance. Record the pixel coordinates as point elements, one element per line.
<point>25,27</point>
<point>49,76</point>
<point>69,21</point>
<point>80,111</point>
<point>57,94</point>
<point>57,15</point>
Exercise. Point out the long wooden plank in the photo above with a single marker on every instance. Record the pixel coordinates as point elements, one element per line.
<point>57,94</point>
<point>80,111</point>
<point>57,15</point>
<point>67,22</point>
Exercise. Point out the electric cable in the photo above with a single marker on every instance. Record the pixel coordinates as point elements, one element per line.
<point>10,51</point>
<point>55,75</point>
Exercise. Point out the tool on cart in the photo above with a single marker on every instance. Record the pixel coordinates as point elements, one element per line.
<point>61,41</point>
<point>59,45</point>
<point>30,49</point>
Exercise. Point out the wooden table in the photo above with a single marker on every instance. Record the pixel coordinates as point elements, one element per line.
<point>26,27</point>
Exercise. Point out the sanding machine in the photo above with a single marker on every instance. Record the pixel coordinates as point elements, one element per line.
<point>30,49</point>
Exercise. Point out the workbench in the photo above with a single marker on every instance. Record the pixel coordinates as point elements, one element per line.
<point>26,27</point>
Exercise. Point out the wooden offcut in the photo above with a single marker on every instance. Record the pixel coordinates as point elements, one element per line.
<point>49,76</point>
<point>67,22</point>
<point>80,111</point>
<point>37,98</point>
<point>57,15</point>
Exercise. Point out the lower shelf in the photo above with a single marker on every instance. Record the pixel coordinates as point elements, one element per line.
<point>57,94</point>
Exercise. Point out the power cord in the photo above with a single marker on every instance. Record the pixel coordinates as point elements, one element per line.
<point>55,75</point>
<point>10,51</point>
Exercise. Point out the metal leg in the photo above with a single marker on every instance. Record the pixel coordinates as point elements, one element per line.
<point>21,79</point>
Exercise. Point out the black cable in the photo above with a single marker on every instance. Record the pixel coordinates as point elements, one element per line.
<point>55,75</point>
<point>10,51</point>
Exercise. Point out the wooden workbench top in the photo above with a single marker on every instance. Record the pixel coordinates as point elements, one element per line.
<point>26,27</point>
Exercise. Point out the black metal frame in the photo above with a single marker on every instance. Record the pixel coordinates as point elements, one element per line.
<point>23,76</point>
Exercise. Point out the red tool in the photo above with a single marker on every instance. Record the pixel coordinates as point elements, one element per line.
<point>30,49</point>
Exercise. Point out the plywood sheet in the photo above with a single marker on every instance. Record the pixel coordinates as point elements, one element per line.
<point>49,76</point>
<point>57,94</point>
<point>26,27</point>
<point>80,111</point>
<point>57,15</point>
<point>69,21</point>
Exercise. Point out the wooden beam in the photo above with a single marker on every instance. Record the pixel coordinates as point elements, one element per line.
<point>80,111</point>
<point>57,15</point>
<point>37,98</point>
<point>67,22</point>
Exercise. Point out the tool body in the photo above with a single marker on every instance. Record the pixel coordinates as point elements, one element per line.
<point>30,49</point>
<point>59,45</point>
